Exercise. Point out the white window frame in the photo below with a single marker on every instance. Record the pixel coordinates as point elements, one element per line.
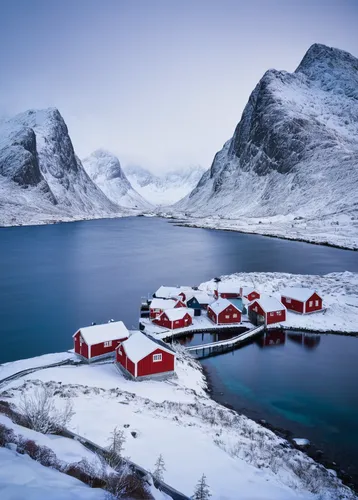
<point>108,343</point>
<point>278,313</point>
<point>157,358</point>
<point>272,314</point>
<point>317,303</point>
<point>288,300</point>
<point>310,303</point>
<point>234,315</point>
<point>227,316</point>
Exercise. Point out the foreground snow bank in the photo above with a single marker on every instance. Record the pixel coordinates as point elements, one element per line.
<point>22,477</point>
<point>338,231</point>
<point>338,290</point>
<point>177,419</point>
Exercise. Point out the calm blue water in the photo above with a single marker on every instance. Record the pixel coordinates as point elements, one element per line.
<point>303,383</point>
<point>55,279</point>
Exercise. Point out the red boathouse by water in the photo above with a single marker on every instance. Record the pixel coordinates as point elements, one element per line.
<point>222,312</point>
<point>142,356</point>
<point>301,300</point>
<point>249,293</point>
<point>157,306</point>
<point>266,311</point>
<point>99,341</point>
<point>174,318</point>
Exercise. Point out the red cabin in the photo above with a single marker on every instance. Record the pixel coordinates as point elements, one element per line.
<point>174,318</point>
<point>222,312</point>
<point>227,291</point>
<point>157,306</point>
<point>99,341</point>
<point>142,356</point>
<point>301,300</point>
<point>266,311</point>
<point>249,293</point>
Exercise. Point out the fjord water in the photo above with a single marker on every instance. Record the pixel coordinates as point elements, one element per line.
<point>57,278</point>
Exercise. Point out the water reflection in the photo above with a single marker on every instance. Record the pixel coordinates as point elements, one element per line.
<point>206,337</point>
<point>308,340</point>
<point>272,338</point>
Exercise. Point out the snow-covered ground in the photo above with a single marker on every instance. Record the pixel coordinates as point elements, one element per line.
<point>195,435</point>
<point>21,477</point>
<point>338,231</point>
<point>338,290</point>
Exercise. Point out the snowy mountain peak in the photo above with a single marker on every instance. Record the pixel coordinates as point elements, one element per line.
<point>105,170</point>
<point>297,135</point>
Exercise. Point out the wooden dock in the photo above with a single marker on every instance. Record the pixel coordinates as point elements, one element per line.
<point>211,348</point>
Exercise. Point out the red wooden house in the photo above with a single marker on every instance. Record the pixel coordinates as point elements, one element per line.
<point>249,293</point>
<point>301,300</point>
<point>175,318</point>
<point>99,341</point>
<point>172,292</point>
<point>222,312</point>
<point>266,311</point>
<point>142,356</point>
<point>227,291</point>
<point>157,306</point>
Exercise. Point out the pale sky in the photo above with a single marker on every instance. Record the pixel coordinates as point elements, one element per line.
<point>160,83</point>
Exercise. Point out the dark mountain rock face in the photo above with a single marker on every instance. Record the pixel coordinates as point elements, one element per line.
<point>295,149</point>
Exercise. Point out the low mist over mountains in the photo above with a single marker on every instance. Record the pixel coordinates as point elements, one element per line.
<point>295,149</point>
<point>166,189</point>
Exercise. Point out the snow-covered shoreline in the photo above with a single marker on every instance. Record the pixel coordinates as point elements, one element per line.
<point>178,419</point>
<point>342,235</point>
<point>339,292</point>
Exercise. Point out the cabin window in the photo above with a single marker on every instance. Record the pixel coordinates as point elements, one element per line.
<point>288,300</point>
<point>278,313</point>
<point>108,343</point>
<point>227,316</point>
<point>317,303</point>
<point>157,357</point>
<point>234,315</point>
<point>310,303</point>
<point>176,322</point>
<point>272,314</point>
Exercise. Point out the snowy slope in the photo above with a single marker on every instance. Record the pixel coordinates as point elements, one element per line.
<point>41,178</point>
<point>105,171</point>
<point>22,477</point>
<point>294,154</point>
<point>193,433</point>
<point>166,189</point>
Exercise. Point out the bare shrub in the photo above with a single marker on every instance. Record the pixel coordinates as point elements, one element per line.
<point>6,435</point>
<point>42,454</point>
<point>8,410</point>
<point>126,484</point>
<point>113,456</point>
<point>40,412</point>
<point>86,472</point>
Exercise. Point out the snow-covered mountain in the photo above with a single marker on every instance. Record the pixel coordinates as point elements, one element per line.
<point>41,178</point>
<point>105,171</point>
<point>294,152</point>
<point>167,188</point>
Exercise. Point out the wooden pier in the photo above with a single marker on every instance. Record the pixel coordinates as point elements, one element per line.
<point>211,348</point>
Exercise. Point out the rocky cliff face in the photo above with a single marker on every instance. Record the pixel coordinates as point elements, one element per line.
<point>295,149</point>
<point>41,178</point>
<point>105,171</point>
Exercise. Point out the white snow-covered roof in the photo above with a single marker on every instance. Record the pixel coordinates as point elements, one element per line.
<point>269,304</point>
<point>228,288</point>
<point>139,345</point>
<point>203,297</point>
<point>177,313</point>
<point>220,305</point>
<point>96,334</point>
<point>297,293</point>
<point>167,292</point>
<point>162,304</point>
